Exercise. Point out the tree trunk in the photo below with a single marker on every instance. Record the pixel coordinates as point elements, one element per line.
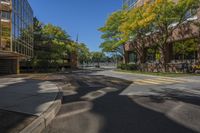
<point>125,55</point>
<point>198,53</point>
<point>166,55</point>
<point>163,60</point>
<point>141,57</point>
<point>141,60</point>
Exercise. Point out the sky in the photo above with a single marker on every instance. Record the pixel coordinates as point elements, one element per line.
<point>77,17</point>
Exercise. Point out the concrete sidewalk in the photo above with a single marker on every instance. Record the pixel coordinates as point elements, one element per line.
<point>25,102</point>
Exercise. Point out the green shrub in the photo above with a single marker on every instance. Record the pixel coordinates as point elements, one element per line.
<point>121,66</point>
<point>129,66</point>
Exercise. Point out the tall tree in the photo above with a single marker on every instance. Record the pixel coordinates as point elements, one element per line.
<point>57,42</point>
<point>155,22</point>
<point>97,57</point>
<point>170,16</point>
<point>52,45</point>
<point>137,28</point>
<point>37,36</point>
<point>111,33</point>
<point>84,55</point>
<point>197,24</point>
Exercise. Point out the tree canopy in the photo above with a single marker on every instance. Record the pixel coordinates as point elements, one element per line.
<point>152,23</point>
<point>84,55</point>
<point>111,34</point>
<point>52,45</point>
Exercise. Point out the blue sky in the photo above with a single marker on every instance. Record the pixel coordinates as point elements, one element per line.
<point>81,17</point>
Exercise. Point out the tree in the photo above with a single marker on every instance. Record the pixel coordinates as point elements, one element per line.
<point>97,57</point>
<point>197,24</point>
<point>37,36</point>
<point>137,27</point>
<point>186,47</point>
<point>109,47</point>
<point>52,46</point>
<point>57,42</point>
<point>155,22</point>
<point>84,55</point>
<point>112,35</point>
<point>169,16</point>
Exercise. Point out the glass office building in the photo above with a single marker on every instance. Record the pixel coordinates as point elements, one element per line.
<point>16,27</point>
<point>22,27</point>
<point>16,30</point>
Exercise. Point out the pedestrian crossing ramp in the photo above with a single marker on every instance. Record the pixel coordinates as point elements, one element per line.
<point>158,81</point>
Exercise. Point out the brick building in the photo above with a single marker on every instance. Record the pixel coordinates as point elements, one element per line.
<point>188,31</point>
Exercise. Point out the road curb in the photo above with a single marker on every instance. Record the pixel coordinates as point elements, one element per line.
<point>185,78</point>
<point>45,119</point>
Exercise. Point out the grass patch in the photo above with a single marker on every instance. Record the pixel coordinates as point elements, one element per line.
<point>167,74</point>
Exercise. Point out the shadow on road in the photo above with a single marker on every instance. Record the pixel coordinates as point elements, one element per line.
<point>176,95</point>
<point>23,100</point>
<point>106,111</point>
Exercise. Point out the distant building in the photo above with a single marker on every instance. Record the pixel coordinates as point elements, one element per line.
<point>16,34</point>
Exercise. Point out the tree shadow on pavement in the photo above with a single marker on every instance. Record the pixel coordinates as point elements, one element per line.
<point>22,101</point>
<point>176,95</point>
<point>114,113</point>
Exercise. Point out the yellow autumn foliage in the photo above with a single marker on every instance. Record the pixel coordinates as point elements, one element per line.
<point>138,18</point>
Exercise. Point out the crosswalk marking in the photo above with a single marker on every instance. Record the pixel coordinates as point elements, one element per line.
<point>142,82</point>
<point>157,81</point>
<point>166,80</point>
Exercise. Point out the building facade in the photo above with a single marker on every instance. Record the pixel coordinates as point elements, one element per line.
<point>189,31</point>
<point>132,3</point>
<point>16,34</point>
<point>129,3</point>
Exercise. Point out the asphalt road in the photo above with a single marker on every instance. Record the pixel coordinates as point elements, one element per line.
<point>104,102</point>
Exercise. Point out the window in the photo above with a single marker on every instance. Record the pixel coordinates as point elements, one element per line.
<point>5,15</point>
<point>132,57</point>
